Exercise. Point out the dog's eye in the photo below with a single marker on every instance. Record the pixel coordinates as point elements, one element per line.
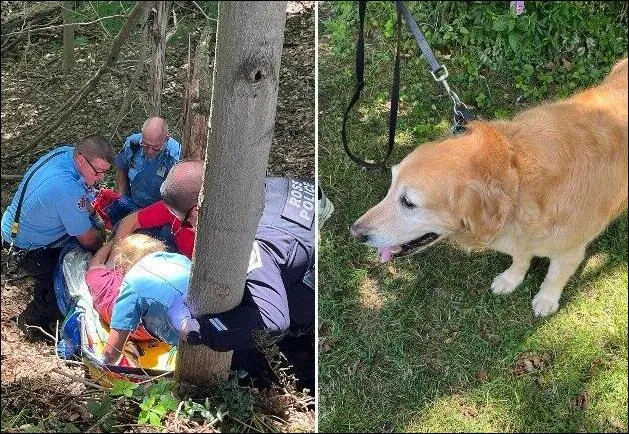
<point>406,203</point>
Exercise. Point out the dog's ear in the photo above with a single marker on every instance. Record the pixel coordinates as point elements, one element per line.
<point>484,209</point>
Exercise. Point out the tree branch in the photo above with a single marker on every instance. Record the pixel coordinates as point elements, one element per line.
<point>37,29</point>
<point>63,113</point>
<point>8,177</point>
<point>18,19</point>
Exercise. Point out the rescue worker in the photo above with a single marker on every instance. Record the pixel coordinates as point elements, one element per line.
<point>141,166</point>
<point>49,207</point>
<point>279,291</point>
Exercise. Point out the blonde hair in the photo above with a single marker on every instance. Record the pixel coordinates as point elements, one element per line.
<point>131,249</point>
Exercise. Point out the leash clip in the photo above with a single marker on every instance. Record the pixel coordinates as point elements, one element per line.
<point>441,77</point>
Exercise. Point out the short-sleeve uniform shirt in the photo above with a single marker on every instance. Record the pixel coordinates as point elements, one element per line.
<point>54,202</point>
<point>146,176</point>
<point>148,291</point>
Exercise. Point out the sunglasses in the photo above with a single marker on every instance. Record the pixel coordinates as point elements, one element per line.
<point>96,171</point>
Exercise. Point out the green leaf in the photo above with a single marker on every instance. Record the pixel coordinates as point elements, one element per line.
<point>160,388</point>
<point>99,408</point>
<point>388,28</point>
<point>125,388</point>
<point>169,402</point>
<point>499,25</point>
<point>148,403</point>
<point>513,41</point>
<point>143,417</point>
<point>154,419</point>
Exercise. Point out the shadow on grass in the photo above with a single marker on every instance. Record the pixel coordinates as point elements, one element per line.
<point>421,344</point>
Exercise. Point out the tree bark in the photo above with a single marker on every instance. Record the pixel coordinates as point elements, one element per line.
<point>159,23</point>
<point>68,37</point>
<point>197,98</point>
<point>249,42</point>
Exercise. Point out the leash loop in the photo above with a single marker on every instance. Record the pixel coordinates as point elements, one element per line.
<point>439,72</point>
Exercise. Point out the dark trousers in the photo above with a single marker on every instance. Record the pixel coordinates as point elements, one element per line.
<point>299,352</point>
<point>42,310</point>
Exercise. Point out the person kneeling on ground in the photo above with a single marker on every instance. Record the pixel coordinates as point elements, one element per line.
<point>107,269</point>
<point>49,208</point>
<point>152,294</point>
<point>141,167</point>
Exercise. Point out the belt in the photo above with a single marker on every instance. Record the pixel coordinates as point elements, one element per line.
<point>7,246</point>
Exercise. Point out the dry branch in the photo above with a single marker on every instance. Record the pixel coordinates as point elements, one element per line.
<point>78,379</point>
<point>50,27</point>
<point>8,177</point>
<point>33,13</point>
<point>63,113</point>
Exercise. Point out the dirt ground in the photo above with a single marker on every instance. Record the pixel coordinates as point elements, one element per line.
<point>33,87</point>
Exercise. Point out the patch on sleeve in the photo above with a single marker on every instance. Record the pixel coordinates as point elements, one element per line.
<point>83,203</point>
<point>218,324</point>
<point>300,203</point>
<point>255,260</point>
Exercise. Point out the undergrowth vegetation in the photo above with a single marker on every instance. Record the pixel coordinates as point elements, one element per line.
<point>420,344</point>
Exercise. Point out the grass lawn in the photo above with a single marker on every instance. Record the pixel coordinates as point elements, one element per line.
<point>420,344</point>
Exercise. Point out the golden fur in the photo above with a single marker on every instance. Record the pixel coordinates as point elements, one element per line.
<point>545,183</point>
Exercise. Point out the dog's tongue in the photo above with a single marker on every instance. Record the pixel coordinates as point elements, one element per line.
<point>385,254</point>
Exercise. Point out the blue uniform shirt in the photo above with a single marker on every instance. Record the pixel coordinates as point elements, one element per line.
<point>146,176</point>
<point>150,290</point>
<point>279,291</point>
<point>53,205</point>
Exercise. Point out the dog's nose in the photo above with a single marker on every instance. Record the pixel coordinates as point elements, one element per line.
<point>358,232</point>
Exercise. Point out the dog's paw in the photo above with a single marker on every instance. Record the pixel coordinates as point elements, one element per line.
<point>544,304</point>
<point>504,283</point>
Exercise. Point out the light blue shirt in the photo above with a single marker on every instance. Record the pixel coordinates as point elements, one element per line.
<point>157,283</point>
<point>53,205</point>
<point>146,176</point>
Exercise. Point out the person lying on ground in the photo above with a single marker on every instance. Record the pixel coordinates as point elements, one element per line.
<point>51,204</point>
<point>106,271</point>
<point>279,291</point>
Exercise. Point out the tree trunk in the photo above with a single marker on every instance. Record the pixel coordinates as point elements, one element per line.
<point>68,37</point>
<point>122,112</point>
<point>159,23</point>
<point>249,42</point>
<point>197,96</point>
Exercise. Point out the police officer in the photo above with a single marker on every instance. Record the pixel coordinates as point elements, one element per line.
<point>50,206</point>
<point>141,167</point>
<point>279,292</point>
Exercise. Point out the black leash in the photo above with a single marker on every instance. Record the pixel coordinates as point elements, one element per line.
<point>462,113</point>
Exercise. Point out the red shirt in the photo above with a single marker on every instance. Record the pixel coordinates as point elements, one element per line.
<point>104,285</point>
<point>157,215</point>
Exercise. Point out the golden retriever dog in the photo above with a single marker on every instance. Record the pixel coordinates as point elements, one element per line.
<point>543,184</point>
